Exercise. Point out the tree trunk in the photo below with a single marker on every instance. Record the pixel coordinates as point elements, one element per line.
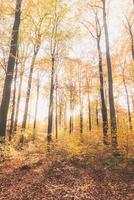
<point>103,103</point>
<point>60,113</point>
<point>80,100</point>
<point>81,121</point>
<point>36,107</point>
<point>18,99</point>
<point>97,113</point>
<point>56,107</point>
<point>10,70</point>
<point>89,114</point>
<point>110,84</point>
<point>13,103</point>
<point>128,103</point>
<point>29,90</point>
<point>65,116</point>
<point>70,120</point>
<point>132,45</point>
<point>71,113</point>
<point>50,112</point>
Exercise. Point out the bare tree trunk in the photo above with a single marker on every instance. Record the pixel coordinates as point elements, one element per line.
<point>60,112</point>
<point>81,120</point>
<point>128,103</point>
<point>97,113</point>
<point>10,70</point>
<point>80,100</point>
<point>132,45</point>
<point>60,116</point>
<point>50,112</point>
<point>13,103</point>
<point>56,107</point>
<point>36,107</point>
<point>110,84</point>
<point>18,99</point>
<point>70,120</point>
<point>103,103</point>
<point>65,117</point>
<point>29,90</point>
<point>89,114</point>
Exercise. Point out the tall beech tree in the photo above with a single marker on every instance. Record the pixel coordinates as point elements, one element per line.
<point>13,101</point>
<point>110,81</point>
<point>10,70</point>
<point>95,30</point>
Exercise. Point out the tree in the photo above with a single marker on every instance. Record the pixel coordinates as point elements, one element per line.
<point>13,101</point>
<point>95,30</point>
<point>36,105</point>
<point>57,38</point>
<point>80,96</point>
<point>110,82</point>
<point>22,59</point>
<point>127,95</point>
<point>40,23</point>
<point>10,70</point>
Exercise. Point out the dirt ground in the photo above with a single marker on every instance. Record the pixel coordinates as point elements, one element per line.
<point>62,178</point>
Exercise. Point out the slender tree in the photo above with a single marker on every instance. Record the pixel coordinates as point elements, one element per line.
<point>127,96</point>
<point>89,114</point>
<point>10,70</point>
<point>36,49</point>
<point>19,97</point>
<point>110,82</point>
<point>14,101</point>
<point>56,106</point>
<point>97,28</point>
<point>36,106</point>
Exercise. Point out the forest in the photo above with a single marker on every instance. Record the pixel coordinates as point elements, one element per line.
<point>67,100</point>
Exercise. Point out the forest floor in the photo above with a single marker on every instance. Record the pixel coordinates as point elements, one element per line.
<point>59,175</point>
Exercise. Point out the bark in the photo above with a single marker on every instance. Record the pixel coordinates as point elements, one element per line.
<point>103,102</point>
<point>13,102</point>
<point>89,114</point>
<point>65,116</point>
<point>10,70</point>
<point>128,102</point>
<point>110,84</point>
<point>97,113</point>
<point>50,112</point>
<point>81,121</point>
<point>29,90</point>
<point>80,100</point>
<point>60,112</point>
<point>71,113</point>
<point>56,105</point>
<point>36,107</point>
<point>132,45</point>
<point>18,99</point>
